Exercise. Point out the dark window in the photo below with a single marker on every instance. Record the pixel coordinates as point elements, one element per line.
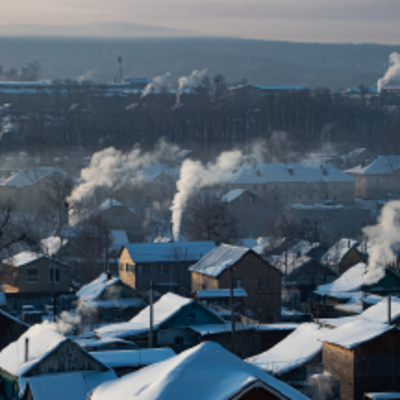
<point>54,275</point>
<point>32,275</point>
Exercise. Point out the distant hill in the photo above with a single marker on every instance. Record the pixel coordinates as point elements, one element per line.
<point>334,66</point>
<point>94,30</point>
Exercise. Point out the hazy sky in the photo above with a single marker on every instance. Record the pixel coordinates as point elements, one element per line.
<point>298,20</point>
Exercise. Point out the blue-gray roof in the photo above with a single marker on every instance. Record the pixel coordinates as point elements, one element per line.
<point>167,252</point>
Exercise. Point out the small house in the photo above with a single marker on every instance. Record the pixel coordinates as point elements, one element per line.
<point>108,299</point>
<point>40,357</point>
<point>363,356</point>
<point>229,266</point>
<point>206,371</point>
<point>163,264</point>
<point>174,319</point>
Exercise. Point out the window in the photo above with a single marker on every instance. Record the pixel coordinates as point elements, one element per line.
<point>130,268</point>
<point>32,275</point>
<point>54,275</point>
<point>162,270</point>
<point>237,283</point>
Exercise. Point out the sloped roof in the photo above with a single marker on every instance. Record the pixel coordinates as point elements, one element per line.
<point>173,251</point>
<point>94,289</point>
<point>335,253</point>
<point>207,371</point>
<point>165,308</point>
<point>294,172</point>
<point>27,257</point>
<point>383,165</point>
<point>42,341</point>
<point>294,350</point>
<point>30,176</point>
<point>356,332</point>
<point>219,259</point>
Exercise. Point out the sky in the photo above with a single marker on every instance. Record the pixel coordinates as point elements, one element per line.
<point>355,21</point>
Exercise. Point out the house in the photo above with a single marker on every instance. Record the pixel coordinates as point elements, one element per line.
<point>174,319</point>
<point>229,266</point>
<point>248,209</point>
<point>11,329</point>
<point>108,299</point>
<point>342,255</point>
<point>34,278</point>
<point>279,184</point>
<point>363,357</point>
<point>126,361</point>
<point>44,361</point>
<point>296,357</point>
<point>163,264</point>
<point>207,371</point>
<point>347,291</point>
<point>378,179</point>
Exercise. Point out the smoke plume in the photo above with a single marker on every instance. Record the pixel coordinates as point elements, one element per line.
<point>110,168</point>
<point>191,81</point>
<point>194,176</point>
<point>160,83</point>
<point>393,72</point>
<point>383,239</point>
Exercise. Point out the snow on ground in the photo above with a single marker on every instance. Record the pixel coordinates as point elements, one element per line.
<point>293,351</point>
<point>207,371</point>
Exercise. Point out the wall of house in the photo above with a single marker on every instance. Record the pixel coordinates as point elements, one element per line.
<point>339,362</point>
<point>23,281</point>
<point>67,357</point>
<point>127,269</point>
<point>261,281</point>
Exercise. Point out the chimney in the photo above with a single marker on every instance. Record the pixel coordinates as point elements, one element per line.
<point>109,275</point>
<point>389,310</point>
<point>26,349</point>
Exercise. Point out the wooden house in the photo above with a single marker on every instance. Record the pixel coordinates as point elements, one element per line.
<point>34,278</point>
<point>42,359</point>
<point>174,320</point>
<point>363,356</point>
<point>108,299</point>
<point>342,255</point>
<point>233,267</point>
<point>11,329</point>
<point>207,371</point>
<point>163,264</point>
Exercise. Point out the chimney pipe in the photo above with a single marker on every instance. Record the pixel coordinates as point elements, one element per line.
<point>389,310</point>
<point>26,349</point>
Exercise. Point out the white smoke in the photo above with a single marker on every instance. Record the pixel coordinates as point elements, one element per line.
<point>159,83</point>
<point>87,76</point>
<point>383,238</point>
<point>194,176</point>
<point>393,72</point>
<point>191,81</point>
<point>111,168</point>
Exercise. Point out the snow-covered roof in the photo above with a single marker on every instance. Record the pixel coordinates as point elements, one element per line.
<point>206,371</point>
<point>42,341</point>
<point>279,172</point>
<point>75,385</point>
<point>356,332</point>
<point>293,351</point>
<point>132,358</point>
<point>377,313</point>
<point>94,289</point>
<point>288,263</point>
<point>383,165</point>
<point>350,281</point>
<point>168,252</point>
<point>335,253</point>
<point>30,176</point>
<point>167,306</point>
<point>219,259</point>
<point>23,258</point>
<point>109,203</point>
<point>232,195</point>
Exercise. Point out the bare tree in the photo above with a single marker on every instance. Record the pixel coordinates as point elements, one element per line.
<point>208,218</point>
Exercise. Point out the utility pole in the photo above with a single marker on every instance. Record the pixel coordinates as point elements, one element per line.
<point>151,339</point>
<point>232,306</point>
